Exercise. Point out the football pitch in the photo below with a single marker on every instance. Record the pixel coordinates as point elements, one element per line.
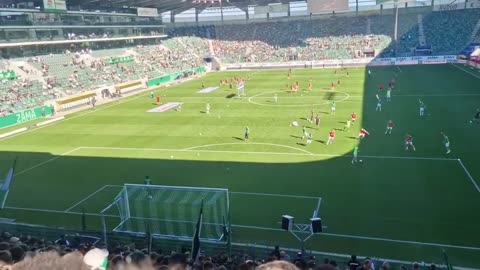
<point>398,204</point>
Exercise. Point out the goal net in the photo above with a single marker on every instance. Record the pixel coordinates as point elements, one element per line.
<point>172,211</point>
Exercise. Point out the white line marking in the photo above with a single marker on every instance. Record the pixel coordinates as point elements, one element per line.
<point>473,74</point>
<point>268,144</point>
<point>351,99</point>
<point>347,96</point>
<point>261,153</point>
<point>366,238</point>
<point>76,116</point>
<point>46,161</point>
<point>86,198</point>
<point>469,176</point>
<point>399,69</point>
<point>274,195</point>
<point>275,229</point>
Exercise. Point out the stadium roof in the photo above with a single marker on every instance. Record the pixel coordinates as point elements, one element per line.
<point>177,5</point>
<point>162,5</point>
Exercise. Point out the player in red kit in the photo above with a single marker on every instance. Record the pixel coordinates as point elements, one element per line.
<point>354,117</point>
<point>362,134</point>
<point>409,142</point>
<point>389,127</point>
<point>380,87</point>
<point>331,137</point>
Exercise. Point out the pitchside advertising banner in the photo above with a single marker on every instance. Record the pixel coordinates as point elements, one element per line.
<point>24,116</point>
<point>147,12</point>
<point>322,6</point>
<point>271,9</point>
<point>415,60</point>
<point>444,5</point>
<point>473,4</point>
<point>54,5</point>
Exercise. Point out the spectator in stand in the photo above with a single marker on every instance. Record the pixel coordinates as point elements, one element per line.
<point>367,265</point>
<point>62,241</point>
<point>5,258</point>
<point>353,264</point>
<point>385,266</point>
<point>277,265</point>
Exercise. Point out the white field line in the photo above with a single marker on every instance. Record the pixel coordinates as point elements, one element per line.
<point>356,96</point>
<point>46,161</point>
<point>368,238</point>
<point>280,230</point>
<point>351,96</point>
<point>467,71</point>
<point>469,175</point>
<point>250,193</point>
<point>260,153</point>
<point>276,229</point>
<point>274,195</point>
<point>79,115</point>
<point>86,198</point>
<point>399,69</point>
<point>268,144</point>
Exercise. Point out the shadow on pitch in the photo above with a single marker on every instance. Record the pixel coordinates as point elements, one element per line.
<point>238,138</point>
<point>230,96</point>
<point>296,137</point>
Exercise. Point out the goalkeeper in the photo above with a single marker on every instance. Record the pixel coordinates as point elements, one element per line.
<point>148,182</point>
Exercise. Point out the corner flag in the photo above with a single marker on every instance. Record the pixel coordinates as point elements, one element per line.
<point>5,184</point>
<point>196,236</point>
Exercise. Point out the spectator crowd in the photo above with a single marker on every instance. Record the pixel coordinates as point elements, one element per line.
<point>76,70</point>
<point>27,252</point>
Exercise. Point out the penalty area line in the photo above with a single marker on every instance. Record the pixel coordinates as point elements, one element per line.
<point>469,175</point>
<point>47,161</point>
<point>86,198</point>
<point>274,195</point>
<point>259,153</point>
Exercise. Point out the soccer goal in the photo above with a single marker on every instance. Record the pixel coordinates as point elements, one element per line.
<point>171,211</point>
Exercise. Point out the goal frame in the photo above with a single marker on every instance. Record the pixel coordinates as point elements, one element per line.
<point>127,217</point>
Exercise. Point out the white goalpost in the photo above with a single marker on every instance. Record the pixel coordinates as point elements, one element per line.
<point>171,211</point>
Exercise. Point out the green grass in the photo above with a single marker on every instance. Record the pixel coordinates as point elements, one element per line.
<point>394,194</point>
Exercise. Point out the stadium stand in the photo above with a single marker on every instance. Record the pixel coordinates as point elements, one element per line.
<point>450,31</point>
<point>52,75</point>
<point>23,250</point>
<point>332,37</point>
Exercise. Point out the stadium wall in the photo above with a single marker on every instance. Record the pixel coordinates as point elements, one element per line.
<point>361,62</point>
<point>171,77</point>
<point>24,116</point>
